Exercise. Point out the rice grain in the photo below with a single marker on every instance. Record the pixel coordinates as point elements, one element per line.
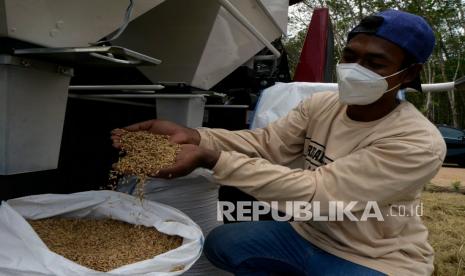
<point>103,244</point>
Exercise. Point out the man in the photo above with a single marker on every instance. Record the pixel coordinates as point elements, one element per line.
<point>361,145</point>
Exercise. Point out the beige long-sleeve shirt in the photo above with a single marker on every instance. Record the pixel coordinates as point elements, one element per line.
<point>388,161</point>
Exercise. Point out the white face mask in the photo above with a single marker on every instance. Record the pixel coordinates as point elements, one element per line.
<point>359,85</point>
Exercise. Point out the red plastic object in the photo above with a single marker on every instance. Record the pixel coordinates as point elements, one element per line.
<point>313,58</point>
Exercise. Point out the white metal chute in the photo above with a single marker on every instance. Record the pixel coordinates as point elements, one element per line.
<point>66,23</point>
<point>245,22</point>
<point>278,12</point>
<point>201,44</point>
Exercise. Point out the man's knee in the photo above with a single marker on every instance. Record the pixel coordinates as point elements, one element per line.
<point>213,241</point>
<point>217,247</point>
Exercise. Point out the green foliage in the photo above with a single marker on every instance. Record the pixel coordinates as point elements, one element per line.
<point>446,64</point>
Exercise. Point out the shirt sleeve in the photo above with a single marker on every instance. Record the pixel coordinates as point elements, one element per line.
<point>280,142</point>
<point>384,173</point>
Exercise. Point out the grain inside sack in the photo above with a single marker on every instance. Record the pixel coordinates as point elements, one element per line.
<point>143,154</point>
<point>103,244</point>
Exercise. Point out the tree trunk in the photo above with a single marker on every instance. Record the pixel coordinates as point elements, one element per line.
<point>450,94</point>
<point>455,115</point>
<point>360,10</point>
<point>429,106</point>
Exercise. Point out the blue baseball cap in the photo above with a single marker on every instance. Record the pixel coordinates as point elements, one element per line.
<point>408,31</point>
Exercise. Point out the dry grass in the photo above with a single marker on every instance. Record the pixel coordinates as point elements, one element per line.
<point>104,244</point>
<point>444,215</point>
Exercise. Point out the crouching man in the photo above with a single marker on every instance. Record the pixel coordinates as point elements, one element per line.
<point>362,147</point>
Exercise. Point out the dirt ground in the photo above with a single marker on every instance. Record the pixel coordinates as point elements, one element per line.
<point>448,175</point>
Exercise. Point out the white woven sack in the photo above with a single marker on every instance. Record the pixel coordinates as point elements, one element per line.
<point>22,252</point>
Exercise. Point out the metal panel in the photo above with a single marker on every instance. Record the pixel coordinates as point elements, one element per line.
<point>278,10</point>
<point>31,118</point>
<point>175,32</point>
<point>199,44</point>
<point>230,44</point>
<point>65,23</point>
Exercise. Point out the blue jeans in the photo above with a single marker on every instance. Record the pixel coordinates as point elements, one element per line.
<point>273,248</point>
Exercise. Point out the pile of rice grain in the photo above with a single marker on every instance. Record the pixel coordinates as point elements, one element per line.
<point>144,154</point>
<point>103,244</point>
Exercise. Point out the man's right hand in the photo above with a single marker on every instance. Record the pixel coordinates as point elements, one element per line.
<point>177,134</point>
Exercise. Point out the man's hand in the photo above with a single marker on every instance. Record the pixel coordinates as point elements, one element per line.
<point>177,134</point>
<point>188,159</point>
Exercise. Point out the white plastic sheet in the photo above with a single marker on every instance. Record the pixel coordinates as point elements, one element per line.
<point>276,101</point>
<point>22,252</point>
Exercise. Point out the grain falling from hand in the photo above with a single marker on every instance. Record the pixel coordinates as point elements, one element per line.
<point>143,155</point>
